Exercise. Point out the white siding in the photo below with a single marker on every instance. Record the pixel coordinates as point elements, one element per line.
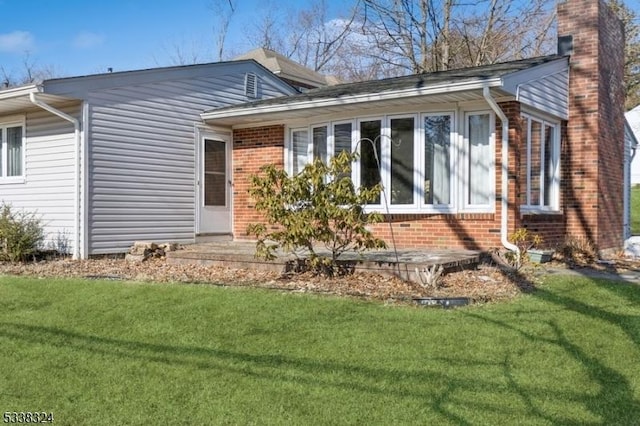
<point>549,94</point>
<point>48,188</point>
<point>141,155</point>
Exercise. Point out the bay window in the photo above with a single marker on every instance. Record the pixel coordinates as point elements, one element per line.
<point>429,162</point>
<point>11,150</point>
<point>542,165</point>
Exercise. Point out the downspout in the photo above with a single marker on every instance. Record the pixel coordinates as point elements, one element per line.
<point>76,199</point>
<point>504,196</point>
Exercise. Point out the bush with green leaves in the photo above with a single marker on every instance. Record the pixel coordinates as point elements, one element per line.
<point>319,207</point>
<point>21,234</point>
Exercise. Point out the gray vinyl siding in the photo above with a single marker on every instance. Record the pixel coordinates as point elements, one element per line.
<point>549,94</point>
<point>141,155</point>
<point>49,181</point>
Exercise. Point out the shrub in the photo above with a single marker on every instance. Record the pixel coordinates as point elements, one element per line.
<point>319,206</point>
<point>21,233</point>
<point>579,250</point>
<point>525,241</point>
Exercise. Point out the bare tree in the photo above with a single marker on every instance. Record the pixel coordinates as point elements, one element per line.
<point>223,12</point>
<point>434,35</point>
<point>631,23</point>
<point>29,72</point>
<point>305,35</point>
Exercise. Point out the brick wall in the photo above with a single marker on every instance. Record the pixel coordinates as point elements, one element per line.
<point>257,146</point>
<point>593,151</point>
<point>252,148</point>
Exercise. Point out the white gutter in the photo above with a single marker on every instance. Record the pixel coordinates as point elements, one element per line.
<point>14,92</point>
<point>439,89</point>
<point>77,254</point>
<point>505,172</point>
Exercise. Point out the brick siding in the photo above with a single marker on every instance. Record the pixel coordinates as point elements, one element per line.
<point>593,152</point>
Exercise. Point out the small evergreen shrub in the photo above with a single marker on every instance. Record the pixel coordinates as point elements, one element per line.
<point>318,207</point>
<point>21,234</point>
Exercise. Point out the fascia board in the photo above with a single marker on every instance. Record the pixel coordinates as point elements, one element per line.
<point>349,100</point>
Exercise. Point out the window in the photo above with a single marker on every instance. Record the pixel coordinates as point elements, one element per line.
<point>402,160</point>
<point>370,153</point>
<point>11,150</point>
<point>299,149</point>
<point>437,159</point>
<point>421,159</point>
<point>542,165</point>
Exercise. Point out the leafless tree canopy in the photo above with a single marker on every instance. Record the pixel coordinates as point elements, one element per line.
<point>631,23</point>
<point>435,35</point>
<point>29,72</point>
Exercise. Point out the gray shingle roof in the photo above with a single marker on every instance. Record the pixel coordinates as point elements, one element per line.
<point>414,81</point>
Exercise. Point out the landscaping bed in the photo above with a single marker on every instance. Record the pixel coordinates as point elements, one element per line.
<point>485,283</point>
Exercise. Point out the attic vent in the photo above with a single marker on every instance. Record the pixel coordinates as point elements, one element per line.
<point>251,85</point>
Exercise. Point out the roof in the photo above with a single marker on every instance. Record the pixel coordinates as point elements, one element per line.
<point>286,68</point>
<point>58,91</point>
<point>451,86</point>
<point>19,98</point>
<point>633,121</point>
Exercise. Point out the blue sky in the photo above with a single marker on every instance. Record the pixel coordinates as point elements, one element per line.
<point>78,37</point>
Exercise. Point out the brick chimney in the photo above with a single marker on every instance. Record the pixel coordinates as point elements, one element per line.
<point>593,144</point>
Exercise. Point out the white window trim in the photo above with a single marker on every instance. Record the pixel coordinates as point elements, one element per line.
<point>528,208</point>
<point>12,121</point>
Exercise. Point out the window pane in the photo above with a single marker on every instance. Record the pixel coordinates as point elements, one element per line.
<point>320,144</point>
<point>437,132</point>
<point>549,165</point>
<point>402,135</point>
<point>1,159</point>
<point>300,145</point>
<point>14,151</point>
<point>480,157</point>
<point>342,138</point>
<point>369,153</point>
<point>535,162</point>
<point>215,165</point>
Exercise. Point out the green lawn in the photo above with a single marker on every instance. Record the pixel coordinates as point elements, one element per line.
<point>99,352</point>
<point>635,210</point>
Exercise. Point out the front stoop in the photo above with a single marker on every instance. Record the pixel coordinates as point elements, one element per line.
<point>240,255</point>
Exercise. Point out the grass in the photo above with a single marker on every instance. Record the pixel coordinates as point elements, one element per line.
<point>635,210</point>
<point>127,353</point>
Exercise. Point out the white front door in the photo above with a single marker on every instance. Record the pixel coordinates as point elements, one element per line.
<point>214,186</point>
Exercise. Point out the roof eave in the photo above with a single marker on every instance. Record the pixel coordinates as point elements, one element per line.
<point>19,91</point>
<point>438,89</point>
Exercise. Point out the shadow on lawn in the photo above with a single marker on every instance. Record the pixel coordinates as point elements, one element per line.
<point>615,401</point>
<point>441,390</point>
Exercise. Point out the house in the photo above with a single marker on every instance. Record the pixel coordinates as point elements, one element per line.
<point>466,156</point>
<point>633,129</point>
<point>631,146</point>
<point>109,159</point>
<point>292,72</point>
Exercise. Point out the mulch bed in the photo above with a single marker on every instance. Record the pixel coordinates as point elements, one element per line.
<point>485,283</point>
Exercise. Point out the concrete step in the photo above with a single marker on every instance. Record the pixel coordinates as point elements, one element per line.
<point>213,238</point>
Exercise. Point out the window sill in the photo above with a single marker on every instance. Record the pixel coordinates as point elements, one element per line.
<point>12,180</point>
<point>426,212</point>
<point>528,211</point>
